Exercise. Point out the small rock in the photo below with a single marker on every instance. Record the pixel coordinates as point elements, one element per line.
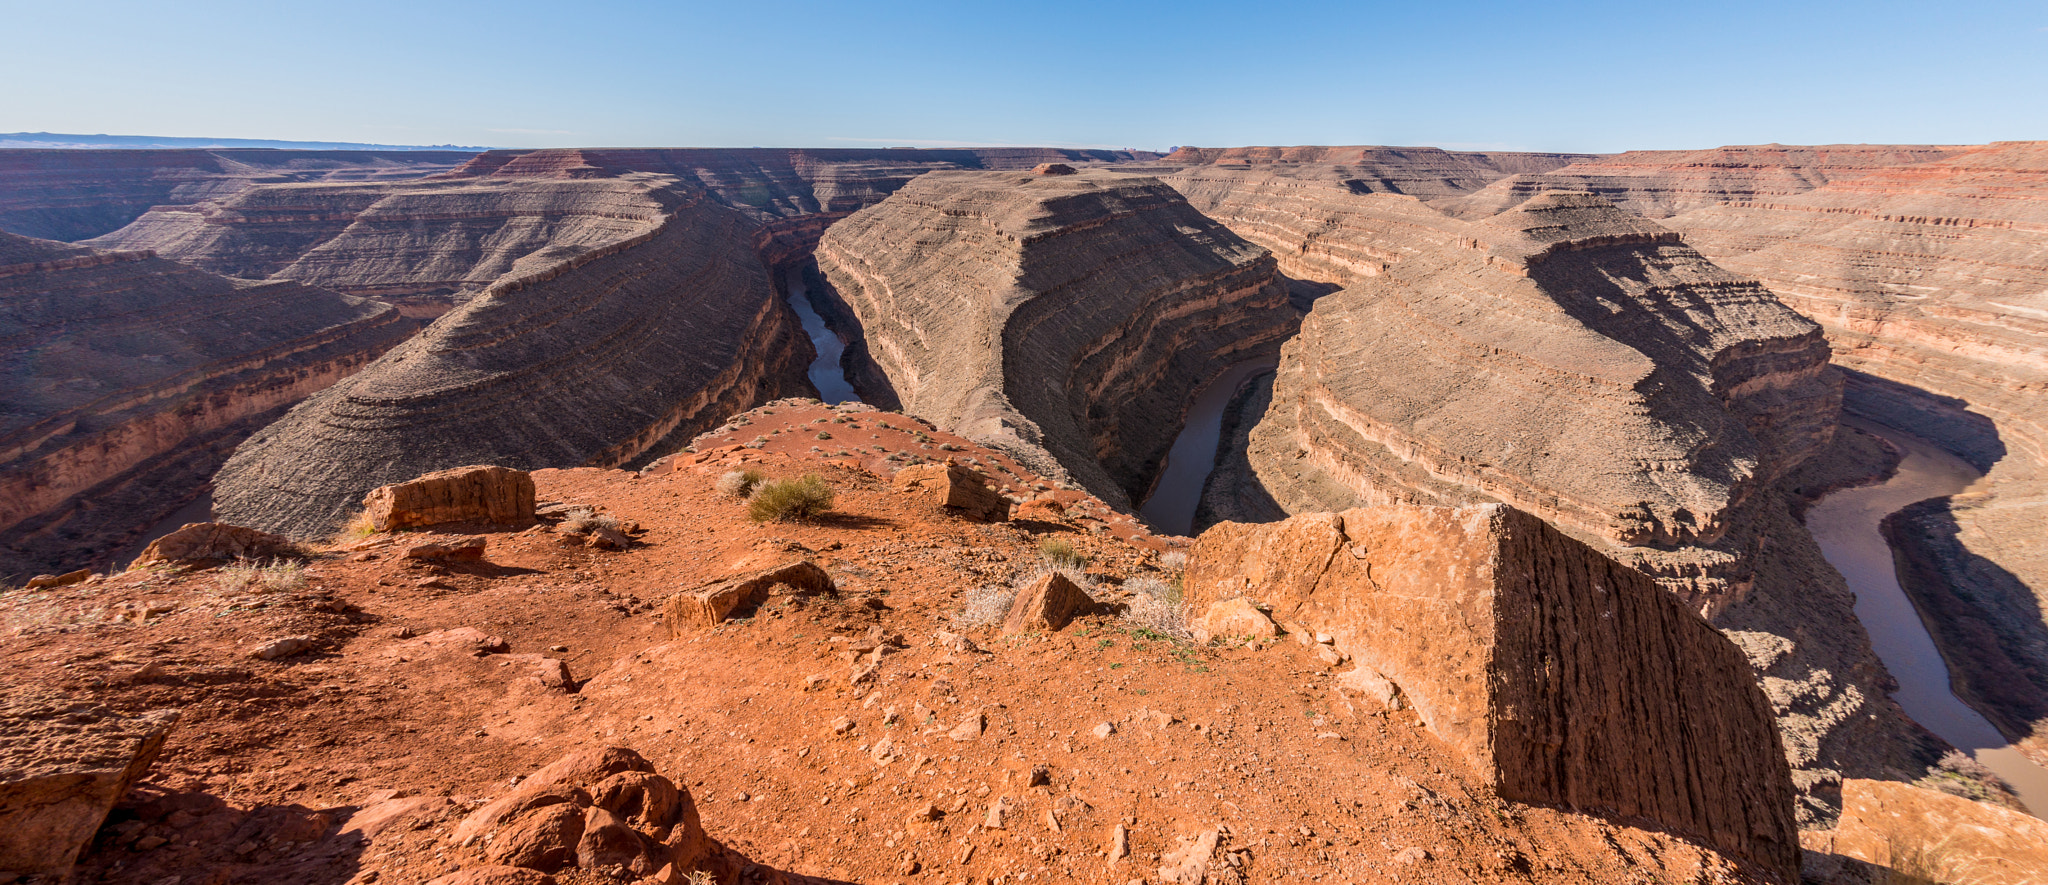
<point>996,810</point>
<point>554,674</point>
<point>1119,844</point>
<point>1329,655</point>
<point>970,727</point>
<point>924,813</point>
<point>1413,854</point>
<point>463,548</point>
<point>1104,730</point>
<point>44,582</point>
<point>1326,639</point>
<point>842,726</point>
<point>1039,776</point>
<point>285,647</point>
<point>150,843</point>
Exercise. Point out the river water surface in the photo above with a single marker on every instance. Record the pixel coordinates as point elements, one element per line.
<point>1846,525</point>
<point>1171,508</point>
<point>825,372</point>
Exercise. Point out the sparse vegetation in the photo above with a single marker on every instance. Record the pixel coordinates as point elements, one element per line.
<point>1157,607</point>
<point>273,576</point>
<point>739,483</point>
<point>583,521</point>
<point>1173,561</point>
<point>985,606</point>
<point>1958,774</point>
<point>824,434</point>
<point>787,500</point>
<point>1061,554</point>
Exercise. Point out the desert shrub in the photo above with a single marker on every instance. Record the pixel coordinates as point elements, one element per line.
<point>1061,553</point>
<point>1157,606</point>
<point>985,606</point>
<point>273,576</point>
<point>824,434</point>
<point>1958,774</point>
<point>1173,561</point>
<point>785,500</point>
<point>583,521</point>
<point>739,483</point>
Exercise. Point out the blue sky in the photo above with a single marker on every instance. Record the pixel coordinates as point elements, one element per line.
<point>1573,76</point>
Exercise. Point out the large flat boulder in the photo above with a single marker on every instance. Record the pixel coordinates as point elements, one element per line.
<point>1924,835</point>
<point>490,494</point>
<point>712,604</point>
<point>62,768</point>
<point>210,542</point>
<point>1560,675</point>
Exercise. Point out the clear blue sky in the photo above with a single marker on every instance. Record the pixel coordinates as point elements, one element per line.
<point>1577,76</point>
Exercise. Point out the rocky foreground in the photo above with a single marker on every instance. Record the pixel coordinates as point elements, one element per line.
<point>889,722</point>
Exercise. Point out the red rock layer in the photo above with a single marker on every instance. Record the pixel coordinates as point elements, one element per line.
<point>1559,675</point>
<point>118,368</point>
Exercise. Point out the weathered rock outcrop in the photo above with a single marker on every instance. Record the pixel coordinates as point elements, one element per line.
<point>1563,357</point>
<point>207,543</point>
<point>1924,836</point>
<point>1067,319</point>
<point>62,768</point>
<point>127,377</point>
<point>481,493</point>
<point>1416,171</point>
<point>599,361</point>
<point>77,194</point>
<point>1560,675</point>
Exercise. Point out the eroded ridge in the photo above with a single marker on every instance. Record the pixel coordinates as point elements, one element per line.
<point>127,378</point>
<point>1068,318</point>
<point>600,361</point>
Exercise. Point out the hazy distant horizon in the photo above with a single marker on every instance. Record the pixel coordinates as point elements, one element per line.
<point>1594,76</point>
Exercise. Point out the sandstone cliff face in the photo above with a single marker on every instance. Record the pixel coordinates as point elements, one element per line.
<point>1560,675</point>
<point>1563,357</point>
<point>1416,171</point>
<point>125,377</point>
<point>597,361</point>
<point>1065,318</point>
<point>73,195</point>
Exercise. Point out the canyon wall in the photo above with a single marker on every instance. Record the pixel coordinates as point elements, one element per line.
<point>77,194</point>
<point>619,354</point>
<point>1559,675</point>
<point>1066,318</point>
<point>1564,357</point>
<point>126,377</point>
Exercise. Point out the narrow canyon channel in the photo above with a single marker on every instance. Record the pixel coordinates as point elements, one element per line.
<point>826,373</point>
<point>1846,525</point>
<point>1170,509</point>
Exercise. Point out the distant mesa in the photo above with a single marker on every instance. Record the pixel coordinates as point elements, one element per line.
<point>68,141</point>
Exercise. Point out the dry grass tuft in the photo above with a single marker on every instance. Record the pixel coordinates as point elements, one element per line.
<point>739,483</point>
<point>790,500</point>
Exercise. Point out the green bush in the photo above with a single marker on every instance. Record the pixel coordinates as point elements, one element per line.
<point>789,500</point>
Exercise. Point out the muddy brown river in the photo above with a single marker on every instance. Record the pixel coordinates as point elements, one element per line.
<point>1846,525</point>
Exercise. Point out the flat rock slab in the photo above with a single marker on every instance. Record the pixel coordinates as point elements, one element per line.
<point>708,606</point>
<point>62,768</point>
<point>202,542</point>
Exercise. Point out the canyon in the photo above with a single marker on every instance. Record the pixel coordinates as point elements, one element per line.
<point>1623,372</point>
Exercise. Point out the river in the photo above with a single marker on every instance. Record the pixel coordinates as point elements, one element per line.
<point>1846,525</point>
<point>826,374</point>
<point>1171,508</point>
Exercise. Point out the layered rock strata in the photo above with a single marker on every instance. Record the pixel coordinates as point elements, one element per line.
<point>1560,675</point>
<point>1563,357</point>
<point>621,353</point>
<point>126,377</point>
<point>63,765</point>
<point>1067,319</point>
<point>78,194</point>
<point>1660,184</point>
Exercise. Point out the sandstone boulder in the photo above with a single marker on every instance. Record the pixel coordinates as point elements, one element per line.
<point>489,494</point>
<point>955,489</point>
<point>1235,617</point>
<point>468,548</point>
<point>708,606</point>
<point>45,582</point>
<point>1925,836</point>
<point>62,768</point>
<point>214,542</point>
<point>1560,675</point>
<point>1048,603</point>
<point>597,808</point>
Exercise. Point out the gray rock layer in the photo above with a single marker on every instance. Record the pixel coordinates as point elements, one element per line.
<point>601,361</point>
<point>1068,316</point>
